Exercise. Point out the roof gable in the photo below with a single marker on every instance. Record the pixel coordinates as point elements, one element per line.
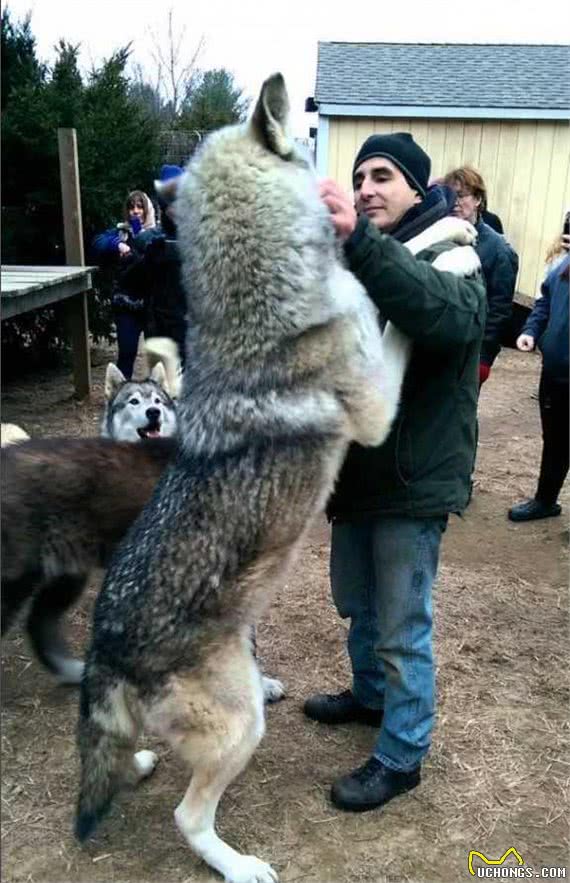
<point>452,75</point>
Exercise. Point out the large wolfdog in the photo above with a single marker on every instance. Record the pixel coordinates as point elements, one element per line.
<point>285,366</point>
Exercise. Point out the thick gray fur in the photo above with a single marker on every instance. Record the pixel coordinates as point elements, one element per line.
<point>285,366</point>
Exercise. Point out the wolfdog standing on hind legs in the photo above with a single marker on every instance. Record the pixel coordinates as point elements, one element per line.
<point>285,367</point>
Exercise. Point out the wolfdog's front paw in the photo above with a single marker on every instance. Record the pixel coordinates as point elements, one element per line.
<point>461,261</point>
<point>458,230</point>
<point>249,869</point>
<point>273,689</point>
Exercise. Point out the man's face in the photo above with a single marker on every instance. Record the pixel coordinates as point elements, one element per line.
<point>382,193</point>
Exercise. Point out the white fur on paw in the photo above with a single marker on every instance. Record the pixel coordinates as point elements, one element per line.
<point>464,234</point>
<point>69,671</point>
<point>249,869</point>
<point>456,230</point>
<point>461,261</point>
<point>145,762</point>
<point>273,689</point>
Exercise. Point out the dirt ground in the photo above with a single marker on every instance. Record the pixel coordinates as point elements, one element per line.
<point>499,771</point>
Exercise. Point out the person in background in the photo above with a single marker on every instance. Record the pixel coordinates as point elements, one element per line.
<point>156,268</point>
<point>114,247</point>
<point>492,220</point>
<point>558,249</point>
<point>547,327</point>
<point>499,261</point>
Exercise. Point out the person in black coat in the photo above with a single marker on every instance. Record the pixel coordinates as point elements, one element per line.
<point>547,327</point>
<point>115,249</point>
<point>492,220</point>
<point>156,268</point>
<point>499,261</point>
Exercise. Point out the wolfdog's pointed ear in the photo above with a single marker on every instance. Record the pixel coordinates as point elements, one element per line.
<point>113,380</point>
<point>270,117</point>
<point>158,374</point>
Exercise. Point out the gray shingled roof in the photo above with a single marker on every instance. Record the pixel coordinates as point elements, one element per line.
<point>451,75</point>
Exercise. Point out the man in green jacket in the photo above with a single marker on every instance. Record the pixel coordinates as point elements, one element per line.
<point>391,504</point>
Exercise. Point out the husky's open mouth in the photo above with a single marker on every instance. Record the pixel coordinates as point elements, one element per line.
<point>150,431</point>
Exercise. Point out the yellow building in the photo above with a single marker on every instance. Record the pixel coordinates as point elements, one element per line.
<point>503,109</point>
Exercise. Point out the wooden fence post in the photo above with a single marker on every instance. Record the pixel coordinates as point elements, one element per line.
<point>75,307</point>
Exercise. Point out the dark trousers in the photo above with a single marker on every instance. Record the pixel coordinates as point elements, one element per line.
<point>553,400</point>
<point>130,326</point>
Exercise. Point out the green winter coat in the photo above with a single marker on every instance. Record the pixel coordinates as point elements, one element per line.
<point>424,467</point>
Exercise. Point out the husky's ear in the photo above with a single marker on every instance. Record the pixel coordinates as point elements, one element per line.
<point>271,115</point>
<point>113,380</point>
<point>158,374</point>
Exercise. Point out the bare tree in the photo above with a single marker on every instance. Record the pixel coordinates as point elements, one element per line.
<point>174,74</point>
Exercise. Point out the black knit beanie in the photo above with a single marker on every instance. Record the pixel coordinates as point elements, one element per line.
<point>401,149</point>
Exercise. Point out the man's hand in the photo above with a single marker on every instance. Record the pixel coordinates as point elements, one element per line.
<point>525,343</point>
<point>123,248</point>
<point>343,214</point>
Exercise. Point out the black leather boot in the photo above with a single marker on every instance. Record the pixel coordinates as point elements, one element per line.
<point>372,785</point>
<point>340,708</point>
<point>534,509</point>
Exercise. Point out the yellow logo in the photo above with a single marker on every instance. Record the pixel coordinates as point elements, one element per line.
<point>493,861</point>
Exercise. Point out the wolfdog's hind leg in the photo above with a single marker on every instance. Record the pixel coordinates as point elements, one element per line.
<point>45,627</point>
<point>216,758</point>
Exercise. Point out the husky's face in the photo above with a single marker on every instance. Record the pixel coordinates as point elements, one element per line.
<point>137,409</point>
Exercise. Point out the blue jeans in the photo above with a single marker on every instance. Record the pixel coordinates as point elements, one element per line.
<point>382,572</point>
<point>130,326</point>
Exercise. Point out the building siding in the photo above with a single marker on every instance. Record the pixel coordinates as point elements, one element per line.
<point>525,164</point>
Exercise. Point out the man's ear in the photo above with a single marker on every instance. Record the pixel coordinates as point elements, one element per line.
<point>269,122</point>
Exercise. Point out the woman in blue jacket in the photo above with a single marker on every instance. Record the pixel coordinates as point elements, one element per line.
<point>547,326</point>
<point>114,247</point>
<point>499,261</point>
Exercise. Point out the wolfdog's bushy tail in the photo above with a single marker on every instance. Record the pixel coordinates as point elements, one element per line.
<point>107,735</point>
<point>165,350</point>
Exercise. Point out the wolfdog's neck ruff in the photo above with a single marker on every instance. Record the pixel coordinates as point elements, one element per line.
<point>257,245</point>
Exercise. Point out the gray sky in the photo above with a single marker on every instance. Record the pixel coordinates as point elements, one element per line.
<point>253,38</point>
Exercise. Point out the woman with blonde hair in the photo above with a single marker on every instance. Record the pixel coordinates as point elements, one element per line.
<point>499,261</point>
<point>558,249</point>
<point>115,247</point>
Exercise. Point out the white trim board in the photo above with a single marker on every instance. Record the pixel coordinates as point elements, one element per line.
<point>436,112</point>
<point>322,146</point>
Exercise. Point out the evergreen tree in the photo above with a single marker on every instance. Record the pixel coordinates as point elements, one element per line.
<point>119,143</point>
<point>29,150</point>
<point>65,91</point>
<point>212,100</point>
<point>123,124</point>
<point>19,63</point>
